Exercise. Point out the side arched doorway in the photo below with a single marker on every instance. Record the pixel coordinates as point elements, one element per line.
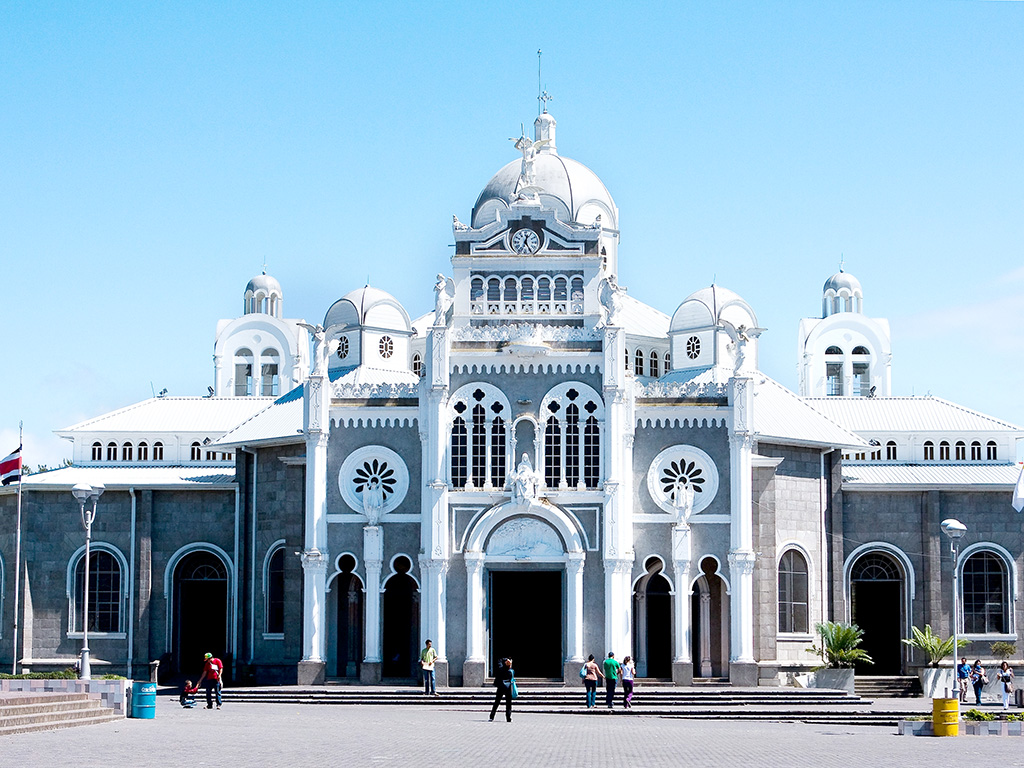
<point>349,591</point>
<point>709,612</point>
<point>877,585</point>
<point>400,611</point>
<point>652,622</point>
<point>200,612</point>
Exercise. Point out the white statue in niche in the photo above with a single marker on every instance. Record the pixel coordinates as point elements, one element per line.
<point>682,499</point>
<point>525,482</point>
<point>373,500</point>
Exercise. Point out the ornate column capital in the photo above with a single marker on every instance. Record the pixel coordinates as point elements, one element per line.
<point>433,566</point>
<point>618,565</point>
<point>314,560</point>
<point>743,441</point>
<point>574,562</point>
<point>742,561</point>
<point>474,561</point>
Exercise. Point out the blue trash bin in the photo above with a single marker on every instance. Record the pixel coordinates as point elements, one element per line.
<point>144,700</point>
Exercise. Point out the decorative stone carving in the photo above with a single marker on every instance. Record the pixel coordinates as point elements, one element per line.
<point>682,480</point>
<point>320,351</point>
<point>664,389</point>
<point>373,391</point>
<point>610,296</point>
<point>742,561</point>
<point>457,225</point>
<point>314,560</point>
<point>525,332</point>
<point>373,480</point>
<point>525,537</point>
<point>444,290</point>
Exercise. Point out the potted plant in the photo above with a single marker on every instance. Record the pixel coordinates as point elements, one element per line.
<point>839,651</point>
<point>935,682</point>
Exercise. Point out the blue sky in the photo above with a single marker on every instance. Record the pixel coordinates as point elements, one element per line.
<point>154,155</point>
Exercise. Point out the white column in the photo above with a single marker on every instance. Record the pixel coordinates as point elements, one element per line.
<point>433,603</point>
<point>618,607</point>
<point>316,403</point>
<point>705,633</point>
<point>574,605</point>
<point>741,553</point>
<point>373,560</point>
<point>475,607</point>
<point>681,558</point>
<point>314,593</point>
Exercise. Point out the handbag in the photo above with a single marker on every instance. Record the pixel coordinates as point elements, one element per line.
<point>515,690</point>
<point>583,671</point>
<point>984,679</point>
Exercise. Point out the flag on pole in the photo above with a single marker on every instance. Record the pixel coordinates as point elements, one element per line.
<point>10,468</point>
<point>1018,491</point>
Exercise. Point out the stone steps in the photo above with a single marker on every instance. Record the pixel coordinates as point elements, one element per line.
<point>888,687</point>
<point>27,712</point>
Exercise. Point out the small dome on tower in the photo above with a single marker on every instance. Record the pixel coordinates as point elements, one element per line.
<point>263,295</point>
<point>711,306</point>
<point>368,306</point>
<point>841,293</point>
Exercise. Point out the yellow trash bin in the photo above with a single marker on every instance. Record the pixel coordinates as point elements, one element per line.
<point>946,717</point>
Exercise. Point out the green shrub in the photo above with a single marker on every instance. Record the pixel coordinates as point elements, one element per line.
<point>839,645</point>
<point>933,646</point>
<point>1002,650</point>
<point>67,674</point>
<point>977,714</point>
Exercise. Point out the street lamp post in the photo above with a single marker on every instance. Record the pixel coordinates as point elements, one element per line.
<point>85,493</point>
<point>955,530</point>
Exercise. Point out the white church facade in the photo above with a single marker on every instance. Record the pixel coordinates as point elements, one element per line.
<point>542,467</point>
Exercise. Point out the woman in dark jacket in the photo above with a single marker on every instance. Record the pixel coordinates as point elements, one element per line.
<point>503,687</point>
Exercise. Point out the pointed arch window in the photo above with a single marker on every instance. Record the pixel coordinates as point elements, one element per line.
<point>459,452</point>
<point>572,437</point>
<point>498,452</point>
<point>572,445</point>
<point>417,365</point>
<point>479,446</point>
<point>479,441</point>
<point>793,593</point>
<point>552,452</point>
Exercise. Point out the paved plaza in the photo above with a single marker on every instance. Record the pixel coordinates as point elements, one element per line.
<point>244,735</point>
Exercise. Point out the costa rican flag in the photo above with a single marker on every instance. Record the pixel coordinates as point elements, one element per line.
<point>10,468</point>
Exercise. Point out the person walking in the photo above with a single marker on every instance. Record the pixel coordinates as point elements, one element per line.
<point>504,680</point>
<point>213,674</point>
<point>427,658</point>
<point>1005,676</point>
<point>628,672</point>
<point>591,673</point>
<point>978,679</point>
<point>611,677</point>
<point>963,677</point>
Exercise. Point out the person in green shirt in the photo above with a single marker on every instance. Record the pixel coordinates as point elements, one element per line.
<point>611,677</point>
<point>427,657</point>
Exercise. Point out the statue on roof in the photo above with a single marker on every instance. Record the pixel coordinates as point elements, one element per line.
<point>320,351</point>
<point>529,148</point>
<point>610,296</point>
<point>444,296</point>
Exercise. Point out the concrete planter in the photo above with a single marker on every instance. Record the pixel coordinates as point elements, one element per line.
<point>916,728</point>
<point>836,679</point>
<point>938,683</point>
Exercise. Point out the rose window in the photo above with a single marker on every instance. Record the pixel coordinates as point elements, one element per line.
<point>386,346</point>
<point>686,471</point>
<point>693,347</point>
<point>375,471</point>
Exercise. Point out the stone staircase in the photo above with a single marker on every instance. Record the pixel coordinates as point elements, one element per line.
<point>698,702</point>
<point>43,711</point>
<point>888,687</point>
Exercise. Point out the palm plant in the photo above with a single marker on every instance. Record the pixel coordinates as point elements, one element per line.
<point>932,645</point>
<point>839,645</point>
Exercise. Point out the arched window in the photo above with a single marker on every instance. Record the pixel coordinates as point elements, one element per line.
<point>975,451</point>
<point>104,593</point>
<point>158,451</point>
<point>143,452</point>
<point>654,364</point>
<point>97,451</point>
<point>511,290</point>
<point>274,592</point>
<point>890,450</point>
<point>861,351</point>
<point>985,591</point>
<point>668,362</point>
<point>111,451</point>
<point>960,450</point>
<point>476,290</point>
<point>197,452</point>
<point>638,363</point>
<point>833,351</point>
<point>270,369</point>
<point>243,373</point>
<point>573,411</point>
<point>417,365</point>
<point>628,360</point>
<point>526,290</point>
<point>479,437</point>
<point>543,289</point>
<point>126,452</point>
<point>991,453</point>
<point>793,599</point>
<point>943,451</point>
<point>494,289</point>
<point>576,295</point>
<point>561,289</point>
<point>929,451</point>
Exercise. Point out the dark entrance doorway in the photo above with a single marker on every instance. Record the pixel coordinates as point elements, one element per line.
<point>652,622</point>
<point>200,612</point>
<point>350,620</point>
<point>876,606</point>
<point>400,606</point>
<point>526,621</point>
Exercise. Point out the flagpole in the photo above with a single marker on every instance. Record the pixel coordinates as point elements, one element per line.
<point>17,557</point>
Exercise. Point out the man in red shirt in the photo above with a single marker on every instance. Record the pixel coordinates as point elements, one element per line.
<point>213,671</point>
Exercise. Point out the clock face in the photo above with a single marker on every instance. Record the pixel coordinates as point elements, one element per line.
<point>525,241</point>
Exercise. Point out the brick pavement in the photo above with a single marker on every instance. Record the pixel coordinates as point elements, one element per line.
<point>244,735</point>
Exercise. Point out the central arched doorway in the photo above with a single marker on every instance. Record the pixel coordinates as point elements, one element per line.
<point>652,621</point>
<point>876,606</point>
<point>200,612</point>
<point>349,608</point>
<point>709,612</point>
<point>400,612</point>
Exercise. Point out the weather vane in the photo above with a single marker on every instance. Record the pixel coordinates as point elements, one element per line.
<point>543,97</point>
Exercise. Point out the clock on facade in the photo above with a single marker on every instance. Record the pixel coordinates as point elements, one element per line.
<point>525,241</point>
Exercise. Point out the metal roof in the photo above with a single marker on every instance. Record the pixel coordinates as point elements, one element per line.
<point>781,416</point>
<point>129,477</point>
<point>174,414</point>
<point>976,477</point>
<point>907,414</point>
<point>640,319</point>
<point>279,422</point>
